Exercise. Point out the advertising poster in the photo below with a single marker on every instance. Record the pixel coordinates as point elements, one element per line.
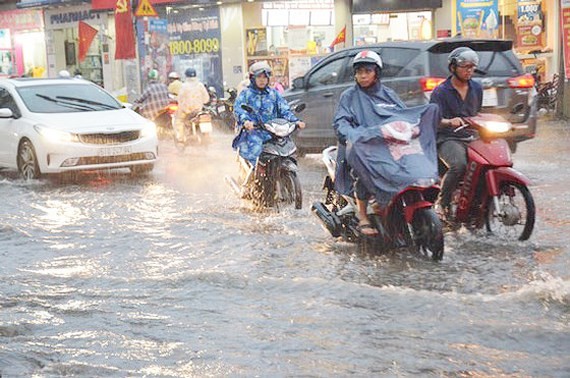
<point>529,25</point>
<point>478,19</point>
<point>256,42</point>
<point>194,40</point>
<point>565,28</point>
<point>157,53</point>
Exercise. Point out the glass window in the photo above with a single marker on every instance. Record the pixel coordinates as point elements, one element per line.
<point>492,62</point>
<point>394,60</point>
<point>67,98</point>
<point>331,73</point>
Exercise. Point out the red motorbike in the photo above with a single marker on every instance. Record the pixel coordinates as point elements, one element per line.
<point>492,193</point>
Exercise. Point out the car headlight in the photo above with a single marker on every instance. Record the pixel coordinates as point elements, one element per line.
<point>55,135</point>
<point>148,130</point>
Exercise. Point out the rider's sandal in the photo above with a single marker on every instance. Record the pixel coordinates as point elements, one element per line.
<point>367,226</point>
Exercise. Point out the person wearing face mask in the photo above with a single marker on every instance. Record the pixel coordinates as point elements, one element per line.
<point>267,103</point>
<point>458,96</point>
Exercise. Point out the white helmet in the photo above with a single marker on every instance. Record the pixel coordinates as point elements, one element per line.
<point>258,68</point>
<point>173,75</point>
<point>64,73</point>
<point>367,57</point>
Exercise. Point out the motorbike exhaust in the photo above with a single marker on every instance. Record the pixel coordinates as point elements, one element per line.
<point>328,219</point>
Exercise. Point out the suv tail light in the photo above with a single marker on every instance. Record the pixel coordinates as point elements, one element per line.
<point>524,81</point>
<point>428,84</point>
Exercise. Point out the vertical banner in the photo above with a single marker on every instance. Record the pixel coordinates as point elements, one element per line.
<point>154,49</point>
<point>256,42</point>
<point>124,31</point>
<point>529,25</point>
<point>565,28</point>
<point>478,19</point>
<point>195,38</point>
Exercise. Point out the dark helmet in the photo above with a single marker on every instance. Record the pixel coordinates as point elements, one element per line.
<point>190,72</point>
<point>462,55</point>
<point>258,68</point>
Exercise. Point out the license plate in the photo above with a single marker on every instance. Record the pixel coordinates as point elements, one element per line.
<point>114,151</point>
<point>221,108</point>
<point>490,97</point>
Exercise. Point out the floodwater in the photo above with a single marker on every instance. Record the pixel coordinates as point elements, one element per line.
<point>105,275</point>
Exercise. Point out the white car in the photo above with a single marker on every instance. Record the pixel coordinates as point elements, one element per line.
<point>61,125</point>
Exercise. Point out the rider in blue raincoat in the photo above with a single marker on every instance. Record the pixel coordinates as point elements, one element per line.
<point>267,104</point>
<point>384,146</point>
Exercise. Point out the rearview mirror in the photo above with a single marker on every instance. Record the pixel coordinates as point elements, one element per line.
<point>6,113</point>
<point>299,83</point>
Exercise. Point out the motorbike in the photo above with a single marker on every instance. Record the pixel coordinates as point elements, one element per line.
<point>222,109</point>
<point>198,129</point>
<point>492,193</point>
<point>164,121</point>
<point>273,180</point>
<point>408,221</point>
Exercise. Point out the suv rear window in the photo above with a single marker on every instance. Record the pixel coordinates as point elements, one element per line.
<point>393,60</point>
<point>494,63</point>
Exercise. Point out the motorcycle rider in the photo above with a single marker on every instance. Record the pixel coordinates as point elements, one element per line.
<point>354,111</point>
<point>154,98</point>
<point>191,99</point>
<point>174,83</point>
<point>458,96</point>
<point>267,103</point>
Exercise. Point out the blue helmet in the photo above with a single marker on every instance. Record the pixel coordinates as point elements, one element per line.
<point>190,72</point>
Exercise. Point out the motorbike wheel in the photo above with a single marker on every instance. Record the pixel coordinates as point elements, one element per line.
<point>426,234</point>
<point>290,188</point>
<point>514,220</point>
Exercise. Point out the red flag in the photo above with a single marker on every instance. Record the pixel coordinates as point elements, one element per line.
<point>340,38</point>
<point>124,31</point>
<point>86,35</point>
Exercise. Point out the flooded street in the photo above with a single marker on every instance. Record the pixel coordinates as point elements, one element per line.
<point>105,275</point>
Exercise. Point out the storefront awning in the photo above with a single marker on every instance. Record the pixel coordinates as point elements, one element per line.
<point>110,4</point>
<point>38,3</point>
<point>376,6</point>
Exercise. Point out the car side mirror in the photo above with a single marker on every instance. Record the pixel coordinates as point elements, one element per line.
<point>517,108</point>
<point>299,107</point>
<point>299,83</point>
<point>6,113</point>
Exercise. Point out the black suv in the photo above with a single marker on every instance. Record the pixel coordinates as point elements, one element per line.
<point>413,70</point>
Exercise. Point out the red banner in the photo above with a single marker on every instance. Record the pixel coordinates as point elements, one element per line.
<point>565,28</point>
<point>86,35</point>
<point>340,38</point>
<point>125,47</point>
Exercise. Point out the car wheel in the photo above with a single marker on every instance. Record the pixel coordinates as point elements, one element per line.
<point>140,170</point>
<point>28,161</point>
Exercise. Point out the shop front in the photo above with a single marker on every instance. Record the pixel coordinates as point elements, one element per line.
<point>291,36</point>
<point>385,20</point>
<point>22,43</point>
<point>62,38</point>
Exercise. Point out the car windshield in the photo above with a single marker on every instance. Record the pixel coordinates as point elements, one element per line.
<point>67,98</point>
<point>492,62</point>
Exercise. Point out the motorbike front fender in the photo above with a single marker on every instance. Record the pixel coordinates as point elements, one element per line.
<point>289,165</point>
<point>411,209</point>
<point>495,177</point>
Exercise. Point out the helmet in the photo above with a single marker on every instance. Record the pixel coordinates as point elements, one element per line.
<point>463,55</point>
<point>367,57</point>
<point>153,74</point>
<point>258,68</point>
<point>190,72</point>
<point>64,73</point>
<point>173,75</point>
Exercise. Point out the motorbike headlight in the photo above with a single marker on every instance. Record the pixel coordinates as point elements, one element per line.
<point>148,130</point>
<point>497,127</point>
<point>55,135</point>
